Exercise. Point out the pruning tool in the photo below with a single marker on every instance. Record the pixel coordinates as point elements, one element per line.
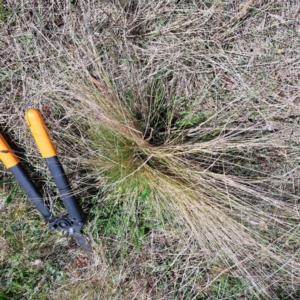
<point>71,222</point>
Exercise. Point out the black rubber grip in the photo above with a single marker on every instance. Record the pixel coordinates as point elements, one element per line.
<point>22,177</point>
<point>63,186</point>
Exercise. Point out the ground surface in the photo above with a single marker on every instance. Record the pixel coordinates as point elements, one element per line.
<point>177,123</point>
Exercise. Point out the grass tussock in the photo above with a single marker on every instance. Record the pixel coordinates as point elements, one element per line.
<point>178,124</point>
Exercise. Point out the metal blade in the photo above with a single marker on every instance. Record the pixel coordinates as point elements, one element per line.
<point>81,240</point>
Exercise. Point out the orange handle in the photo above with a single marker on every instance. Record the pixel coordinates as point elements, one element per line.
<point>38,129</point>
<point>6,154</point>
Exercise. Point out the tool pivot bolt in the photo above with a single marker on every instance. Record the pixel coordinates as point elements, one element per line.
<point>63,224</point>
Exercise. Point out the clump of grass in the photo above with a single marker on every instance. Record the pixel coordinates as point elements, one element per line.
<point>210,187</point>
<point>198,142</point>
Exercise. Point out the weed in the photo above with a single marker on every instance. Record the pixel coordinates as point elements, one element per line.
<point>174,123</point>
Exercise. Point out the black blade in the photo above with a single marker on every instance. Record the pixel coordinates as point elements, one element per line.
<point>81,240</point>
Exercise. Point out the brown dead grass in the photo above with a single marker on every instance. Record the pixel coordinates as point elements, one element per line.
<point>231,181</point>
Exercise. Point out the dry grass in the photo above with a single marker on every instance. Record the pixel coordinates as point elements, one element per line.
<point>178,123</point>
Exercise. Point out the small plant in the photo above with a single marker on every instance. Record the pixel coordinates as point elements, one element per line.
<point>230,287</point>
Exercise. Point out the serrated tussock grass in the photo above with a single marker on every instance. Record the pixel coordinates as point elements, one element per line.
<point>199,178</point>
